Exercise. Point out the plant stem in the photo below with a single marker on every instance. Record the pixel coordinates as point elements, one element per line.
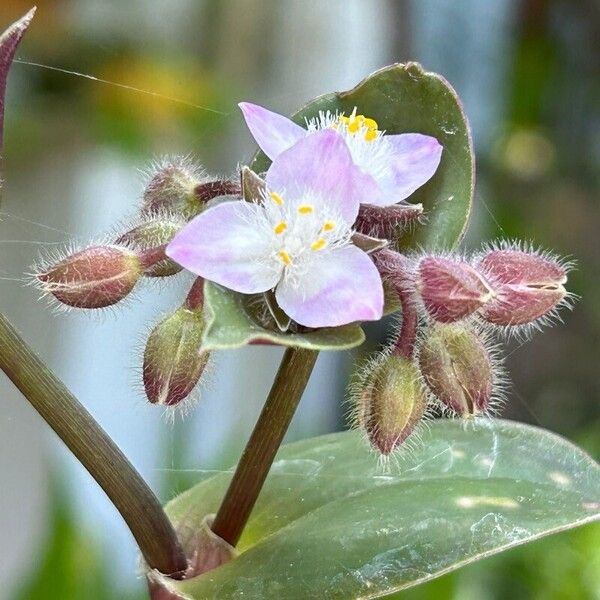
<point>407,337</point>
<point>95,450</point>
<point>258,456</point>
<point>393,267</point>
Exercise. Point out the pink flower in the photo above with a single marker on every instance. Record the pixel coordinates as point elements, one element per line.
<point>296,240</point>
<point>396,164</point>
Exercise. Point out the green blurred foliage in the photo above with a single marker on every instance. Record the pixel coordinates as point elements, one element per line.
<point>73,567</point>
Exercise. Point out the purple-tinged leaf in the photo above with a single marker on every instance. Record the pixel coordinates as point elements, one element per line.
<point>9,42</point>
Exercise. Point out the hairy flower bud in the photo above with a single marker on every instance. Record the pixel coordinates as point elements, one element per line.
<point>529,286</point>
<point>391,402</point>
<point>179,186</point>
<point>171,187</point>
<point>173,357</point>
<point>386,221</point>
<point>154,233</point>
<point>457,368</point>
<point>96,277</point>
<point>451,289</point>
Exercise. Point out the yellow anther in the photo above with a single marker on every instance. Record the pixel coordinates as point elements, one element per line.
<point>280,227</point>
<point>285,258</point>
<point>344,119</point>
<point>276,198</point>
<point>353,126</point>
<point>328,226</point>
<point>305,209</point>
<point>319,244</point>
<point>370,135</point>
<point>370,123</point>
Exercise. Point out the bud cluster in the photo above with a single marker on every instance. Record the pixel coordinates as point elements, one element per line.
<point>509,287</point>
<point>444,352</point>
<point>104,274</point>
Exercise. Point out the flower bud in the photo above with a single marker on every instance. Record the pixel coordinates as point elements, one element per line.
<point>171,187</point>
<point>450,289</point>
<point>528,286</point>
<point>391,402</point>
<point>153,234</point>
<point>457,369</point>
<point>96,277</point>
<point>180,187</point>
<point>385,221</point>
<point>173,358</point>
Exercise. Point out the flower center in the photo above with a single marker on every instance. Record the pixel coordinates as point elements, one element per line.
<point>302,229</point>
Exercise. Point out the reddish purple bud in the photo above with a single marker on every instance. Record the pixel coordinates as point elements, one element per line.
<point>457,369</point>
<point>150,235</point>
<point>528,286</point>
<point>450,289</point>
<point>391,402</point>
<point>173,357</point>
<point>96,277</point>
<point>386,221</point>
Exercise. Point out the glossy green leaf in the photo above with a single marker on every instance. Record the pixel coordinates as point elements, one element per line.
<point>235,320</point>
<point>404,98</point>
<point>331,523</point>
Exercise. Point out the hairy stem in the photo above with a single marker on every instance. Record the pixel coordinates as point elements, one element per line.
<point>407,337</point>
<point>95,450</point>
<point>394,268</point>
<point>258,456</point>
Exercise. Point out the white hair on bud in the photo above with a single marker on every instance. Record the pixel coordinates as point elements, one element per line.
<point>500,380</point>
<point>49,257</point>
<point>184,162</point>
<point>358,382</point>
<point>523,333</point>
<point>527,246</point>
<point>183,409</point>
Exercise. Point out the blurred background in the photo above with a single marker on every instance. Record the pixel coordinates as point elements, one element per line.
<point>528,72</point>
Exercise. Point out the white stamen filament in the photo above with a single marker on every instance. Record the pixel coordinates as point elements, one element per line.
<point>301,231</point>
<point>368,145</point>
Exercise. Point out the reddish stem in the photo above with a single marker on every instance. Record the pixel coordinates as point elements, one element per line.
<point>221,187</point>
<point>394,268</point>
<point>406,341</point>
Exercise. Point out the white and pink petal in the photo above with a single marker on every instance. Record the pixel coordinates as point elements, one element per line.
<point>224,245</point>
<point>342,286</point>
<point>273,132</point>
<point>412,160</point>
<point>321,165</point>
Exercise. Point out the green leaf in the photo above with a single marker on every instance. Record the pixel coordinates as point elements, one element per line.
<point>235,320</point>
<point>403,98</point>
<point>330,523</point>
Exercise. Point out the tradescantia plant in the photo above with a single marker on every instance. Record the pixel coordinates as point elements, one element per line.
<point>352,209</point>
